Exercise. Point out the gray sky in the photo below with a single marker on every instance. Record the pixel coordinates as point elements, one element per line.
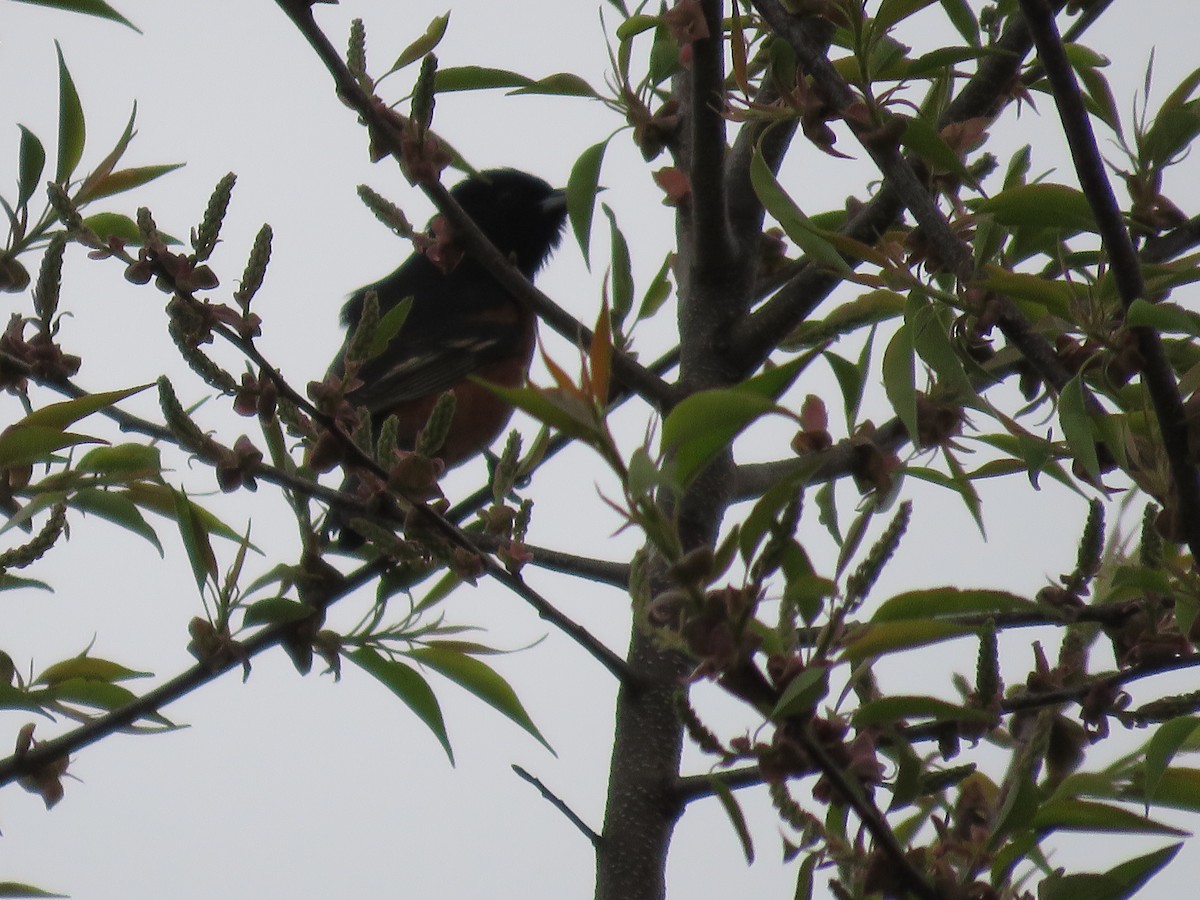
<point>302,787</point>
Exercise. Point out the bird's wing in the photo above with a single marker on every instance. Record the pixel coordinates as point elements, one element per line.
<point>408,370</point>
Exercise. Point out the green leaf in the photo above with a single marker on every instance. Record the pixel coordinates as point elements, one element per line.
<point>657,292</point>
<point>121,459</point>
<point>424,44</point>
<point>705,423</point>
<point>734,811</point>
<point>877,639</point>
<point>71,130</point>
<point>582,186</point>
<point>933,603</point>
<point>1172,132</point>
<point>96,8</point>
<point>16,889</point>
<point>87,667</point>
<point>476,78</point>
<point>931,340</point>
<point>1163,316</point>
<point>119,510</point>
<point>1077,426</point>
<point>803,693</point>
<point>923,138</point>
<point>1070,814</point>
<point>1039,206</point>
<point>798,227</point>
<point>560,84</point>
<point>109,225</point>
<point>60,415</point>
<point>891,710</point>
<point>410,686</point>
<point>622,268</point>
<point>276,610</point>
<point>22,444</point>
<point>125,180</point>
<point>193,531</point>
<point>894,11</point>
<point>389,326</point>
<point>481,680</point>
<point>1161,749</point>
<point>10,582</point>
<point>900,377</point>
<point>964,21</point>
<point>32,164</point>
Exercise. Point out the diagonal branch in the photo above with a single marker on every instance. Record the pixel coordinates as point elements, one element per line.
<point>1157,374</point>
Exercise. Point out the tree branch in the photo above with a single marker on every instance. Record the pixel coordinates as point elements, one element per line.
<point>1157,374</point>
<point>559,804</point>
<point>48,752</point>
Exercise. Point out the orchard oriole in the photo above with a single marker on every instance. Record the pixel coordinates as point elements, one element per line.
<point>462,322</point>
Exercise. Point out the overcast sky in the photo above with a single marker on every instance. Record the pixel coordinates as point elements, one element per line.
<point>290,786</point>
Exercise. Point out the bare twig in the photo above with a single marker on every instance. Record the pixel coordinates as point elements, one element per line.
<point>558,804</point>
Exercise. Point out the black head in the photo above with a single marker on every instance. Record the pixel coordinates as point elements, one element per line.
<point>521,214</point>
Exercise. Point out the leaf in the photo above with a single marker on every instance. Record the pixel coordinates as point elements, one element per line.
<point>125,180</point>
<point>1039,206</point>
<point>560,84</point>
<point>481,680</point>
<point>71,130</point>
<point>389,326</point>
<point>803,693</point>
<point>121,459</point>
<point>932,603</point>
<point>930,338</point>
<point>424,44</point>
<point>622,268</point>
<point>964,21</point>
<point>1077,426</point>
<point>582,186</point>
<point>1163,317</point>
<point>109,225</point>
<point>194,533</point>
<point>891,710</point>
<point>1161,749</point>
<point>921,137</point>
<point>276,610</point>
<point>703,424</point>
<point>877,639</point>
<point>900,377</point>
<point>657,291</point>
<point>776,201</point>
<point>1070,814</point>
<point>476,78</point>
<point>32,164</point>
<point>119,510</point>
<point>96,8</point>
<point>23,444</point>
<point>60,415</point>
<point>16,889</point>
<point>87,667</point>
<point>408,684</point>
<point>734,811</point>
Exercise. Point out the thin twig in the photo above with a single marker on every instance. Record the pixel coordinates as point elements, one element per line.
<point>559,804</point>
<point>47,752</point>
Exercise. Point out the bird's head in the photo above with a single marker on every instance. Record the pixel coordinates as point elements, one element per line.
<point>520,213</point>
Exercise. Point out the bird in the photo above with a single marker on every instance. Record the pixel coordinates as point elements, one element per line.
<point>462,323</point>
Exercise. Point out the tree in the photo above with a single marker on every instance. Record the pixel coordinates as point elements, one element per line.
<point>952,278</point>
